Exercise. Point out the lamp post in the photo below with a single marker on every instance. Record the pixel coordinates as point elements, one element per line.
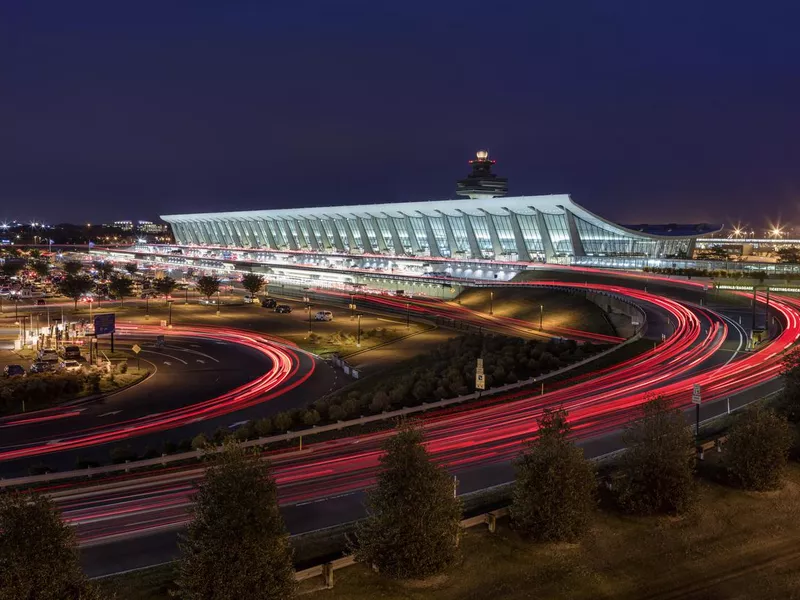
<point>352,308</point>
<point>541,315</point>
<point>491,302</point>
<point>169,324</point>
<point>147,306</point>
<point>358,338</point>
<point>218,301</point>
<point>308,308</point>
<point>186,300</point>
<point>408,315</point>
<point>16,309</point>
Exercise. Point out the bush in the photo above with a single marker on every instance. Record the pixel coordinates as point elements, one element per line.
<point>282,421</point>
<point>199,442</point>
<point>123,367</point>
<point>758,449</point>
<point>121,454</point>
<point>554,492</point>
<point>658,466</point>
<point>311,417</point>
<point>263,427</point>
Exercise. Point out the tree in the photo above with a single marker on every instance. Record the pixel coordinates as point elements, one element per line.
<point>131,268</point>
<point>121,287</point>
<point>72,267</point>
<point>75,286</point>
<point>208,285</point>
<point>413,518</point>
<point>757,449</point>
<point>236,545</point>
<point>253,282</point>
<point>103,268</point>
<point>789,403</point>
<point>40,267</point>
<point>553,496</point>
<point>11,268</point>
<point>165,285</point>
<point>658,466</point>
<point>38,554</point>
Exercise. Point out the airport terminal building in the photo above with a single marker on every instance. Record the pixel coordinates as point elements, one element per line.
<point>487,225</point>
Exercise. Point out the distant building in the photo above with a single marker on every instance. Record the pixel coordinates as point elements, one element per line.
<point>123,225</point>
<point>148,227</point>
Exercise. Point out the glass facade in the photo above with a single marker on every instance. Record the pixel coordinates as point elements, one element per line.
<point>553,229</point>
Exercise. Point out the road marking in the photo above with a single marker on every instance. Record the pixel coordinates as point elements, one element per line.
<point>201,361</point>
<point>167,355</point>
<point>166,362</point>
<point>108,414</point>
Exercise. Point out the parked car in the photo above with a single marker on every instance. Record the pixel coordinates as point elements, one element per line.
<point>283,308</point>
<point>72,352</point>
<point>40,302</point>
<point>207,301</point>
<point>268,302</point>
<point>324,315</point>
<point>42,367</point>
<point>47,355</point>
<point>70,365</point>
<point>14,371</point>
<point>249,299</point>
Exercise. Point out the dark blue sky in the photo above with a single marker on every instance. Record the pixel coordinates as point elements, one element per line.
<point>643,111</point>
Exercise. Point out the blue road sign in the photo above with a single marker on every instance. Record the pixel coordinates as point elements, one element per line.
<point>104,324</point>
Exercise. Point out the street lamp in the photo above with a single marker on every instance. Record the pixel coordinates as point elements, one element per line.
<point>491,302</point>
<point>170,313</point>
<point>541,315</point>
<point>147,306</point>
<point>218,301</point>
<point>408,321</point>
<point>308,309</point>
<point>352,308</point>
<point>358,339</point>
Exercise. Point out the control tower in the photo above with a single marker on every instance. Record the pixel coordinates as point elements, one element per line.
<point>482,183</point>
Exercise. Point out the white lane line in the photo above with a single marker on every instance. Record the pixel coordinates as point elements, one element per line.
<point>739,329</point>
<point>167,355</point>
<point>192,352</point>
<point>108,414</point>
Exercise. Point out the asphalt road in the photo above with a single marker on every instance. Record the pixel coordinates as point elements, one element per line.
<point>188,371</point>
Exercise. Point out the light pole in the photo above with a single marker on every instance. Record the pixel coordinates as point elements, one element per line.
<point>308,308</point>
<point>186,301</point>
<point>218,301</point>
<point>16,310</point>
<point>147,306</point>
<point>352,308</point>
<point>408,315</point>
<point>358,338</point>
<point>491,302</point>
<point>541,315</point>
<point>170,313</point>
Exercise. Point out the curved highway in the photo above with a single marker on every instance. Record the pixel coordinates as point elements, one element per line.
<point>132,520</point>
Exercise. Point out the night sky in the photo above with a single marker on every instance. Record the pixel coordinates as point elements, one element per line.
<point>644,111</point>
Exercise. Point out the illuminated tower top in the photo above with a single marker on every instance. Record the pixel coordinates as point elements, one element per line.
<point>482,183</point>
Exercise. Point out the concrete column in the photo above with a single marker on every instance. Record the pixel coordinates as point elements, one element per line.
<point>337,238</point>
<point>364,237</point>
<point>471,237</point>
<point>434,247</point>
<point>448,232</point>
<point>412,237</point>
<point>351,238</point>
<point>519,240</point>
<point>574,236</point>
<point>267,232</point>
<point>549,252</point>
<point>496,245</point>
<point>399,249</point>
<point>289,236</point>
<point>379,235</point>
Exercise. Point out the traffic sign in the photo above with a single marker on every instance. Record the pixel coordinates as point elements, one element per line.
<point>696,393</point>
<point>480,382</point>
<point>136,348</point>
<point>104,324</point>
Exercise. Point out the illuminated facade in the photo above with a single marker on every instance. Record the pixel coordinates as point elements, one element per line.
<point>524,228</point>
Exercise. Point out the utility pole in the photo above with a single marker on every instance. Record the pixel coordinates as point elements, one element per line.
<point>491,302</point>
<point>358,339</point>
<point>541,316</point>
<point>408,317</point>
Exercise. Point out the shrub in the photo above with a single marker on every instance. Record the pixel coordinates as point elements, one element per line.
<point>199,442</point>
<point>263,427</point>
<point>758,449</point>
<point>311,417</point>
<point>121,454</point>
<point>658,466</point>
<point>282,421</point>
